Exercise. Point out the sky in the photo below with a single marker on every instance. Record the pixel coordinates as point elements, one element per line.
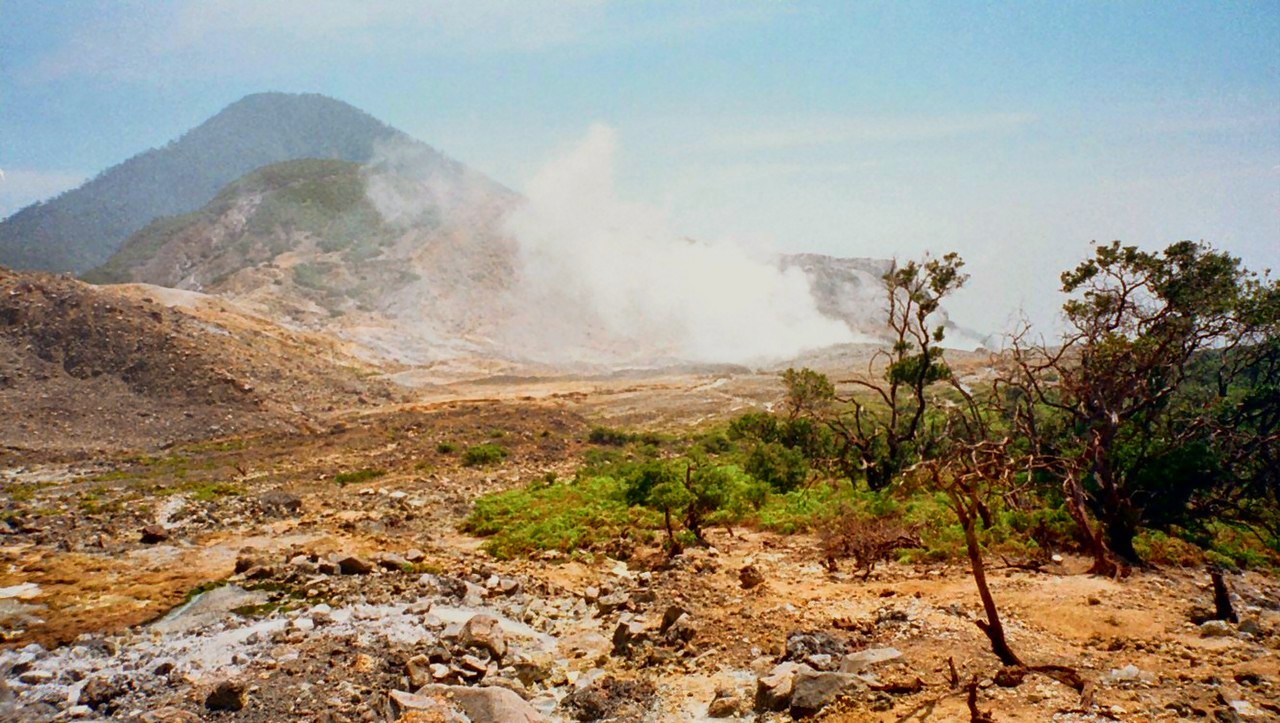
<point>1014,133</point>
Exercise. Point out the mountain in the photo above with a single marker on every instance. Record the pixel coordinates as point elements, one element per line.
<point>82,228</point>
<point>405,255</point>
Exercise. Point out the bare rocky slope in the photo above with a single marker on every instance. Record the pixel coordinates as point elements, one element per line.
<point>83,368</point>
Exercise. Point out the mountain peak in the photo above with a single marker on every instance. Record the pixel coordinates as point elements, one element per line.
<point>83,227</point>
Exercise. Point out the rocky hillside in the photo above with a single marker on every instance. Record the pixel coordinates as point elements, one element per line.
<point>407,257</point>
<point>81,228</point>
<point>416,276</point>
<point>89,368</point>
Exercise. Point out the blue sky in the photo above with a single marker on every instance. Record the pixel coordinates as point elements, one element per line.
<point>1015,132</point>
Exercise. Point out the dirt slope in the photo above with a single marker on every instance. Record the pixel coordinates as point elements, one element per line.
<point>85,368</point>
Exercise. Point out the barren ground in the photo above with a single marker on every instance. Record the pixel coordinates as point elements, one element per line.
<point>76,578</point>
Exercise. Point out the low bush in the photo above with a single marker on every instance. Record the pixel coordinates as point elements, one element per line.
<point>586,514</point>
<point>360,475</point>
<point>482,454</point>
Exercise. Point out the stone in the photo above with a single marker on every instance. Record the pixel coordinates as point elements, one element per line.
<point>863,659</point>
<point>100,693</point>
<point>536,668</point>
<point>802,644</point>
<point>392,561</point>
<point>280,502</point>
<point>813,690</point>
<point>487,704</point>
<point>725,705</point>
<point>36,677</point>
<point>629,634</point>
<point>613,601</point>
<point>227,695</point>
<point>1216,629</point>
<point>773,691</point>
<point>1129,673</point>
<point>750,576</point>
<point>583,644</point>
<point>415,555</point>
<point>408,706</point>
<point>419,669</point>
<point>1250,626</point>
<point>151,534</point>
<point>352,565</point>
<point>484,632</point>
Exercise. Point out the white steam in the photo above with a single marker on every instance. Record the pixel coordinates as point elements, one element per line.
<point>600,279</point>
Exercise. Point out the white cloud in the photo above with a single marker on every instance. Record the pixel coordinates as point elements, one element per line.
<point>20,187</point>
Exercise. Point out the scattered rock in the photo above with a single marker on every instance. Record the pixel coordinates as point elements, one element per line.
<point>280,501</point>
<point>484,632</point>
<point>859,661</point>
<point>1250,626</point>
<point>352,565</point>
<point>629,634</point>
<point>750,576</point>
<point>613,601</point>
<point>419,670</point>
<point>814,690</point>
<point>100,693</point>
<point>227,695</point>
<point>1216,629</point>
<point>611,698</point>
<point>1130,673</point>
<point>725,704</point>
<point>423,707</point>
<point>488,704</point>
<point>151,534</point>
<point>802,644</point>
<point>773,691</point>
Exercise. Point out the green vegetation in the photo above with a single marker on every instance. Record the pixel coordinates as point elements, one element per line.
<point>1181,470</point>
<point>587,514</point>
<point>446,448</point>
<point>482,454</point>
<point>360,475</point>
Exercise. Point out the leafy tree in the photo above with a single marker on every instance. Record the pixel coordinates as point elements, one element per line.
<point>880,432</point>
<point>1138,437</point>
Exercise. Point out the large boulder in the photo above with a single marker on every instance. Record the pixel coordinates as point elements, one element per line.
<point>487,704</point>
<point>814,690</point>
<point>773,691</point>
<point>484,632</point>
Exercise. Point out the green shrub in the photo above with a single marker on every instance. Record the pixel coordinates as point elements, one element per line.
<point>446,448</point>
<point>360,475</point>
<point>482,454</point>
<point>782,468</point>
<point>586,514</point>
<point>608,436</point>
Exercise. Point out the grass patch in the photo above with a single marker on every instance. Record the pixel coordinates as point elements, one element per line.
<point>482,454</point>
<point>591,514</point>
<point>446,448</point>
<point>360,475</point>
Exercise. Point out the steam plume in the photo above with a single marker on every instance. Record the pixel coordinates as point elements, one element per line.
<point>601,279</point>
